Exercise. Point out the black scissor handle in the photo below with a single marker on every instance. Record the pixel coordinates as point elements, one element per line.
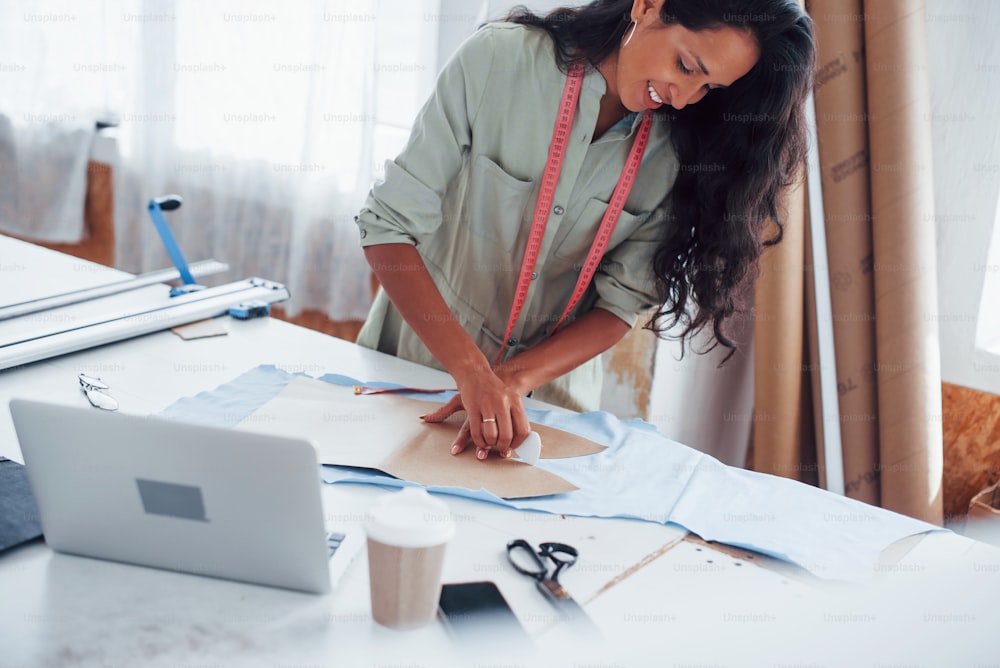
<point>561,554</point>
<point>525,560</point>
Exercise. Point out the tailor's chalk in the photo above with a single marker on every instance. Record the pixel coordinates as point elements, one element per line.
<point>530,449</point>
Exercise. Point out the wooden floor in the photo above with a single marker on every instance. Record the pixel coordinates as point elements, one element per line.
<point>321,323</point>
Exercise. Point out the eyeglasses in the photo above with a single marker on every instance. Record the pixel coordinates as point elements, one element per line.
<point>536,564</point>
<point>95,388</point>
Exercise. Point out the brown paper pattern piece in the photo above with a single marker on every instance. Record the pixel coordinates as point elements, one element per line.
<point>384,432</point>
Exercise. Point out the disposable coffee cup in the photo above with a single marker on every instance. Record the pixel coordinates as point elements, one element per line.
<point>407,534</point>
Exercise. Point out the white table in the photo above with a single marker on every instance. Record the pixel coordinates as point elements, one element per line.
<point>659,598</point>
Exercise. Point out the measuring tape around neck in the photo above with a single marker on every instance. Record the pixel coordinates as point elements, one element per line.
<point>546,193</point>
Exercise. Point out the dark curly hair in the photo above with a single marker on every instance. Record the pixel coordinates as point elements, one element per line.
<point>739,148</point>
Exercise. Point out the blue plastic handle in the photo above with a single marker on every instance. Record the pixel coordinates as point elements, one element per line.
<point>173,250</point>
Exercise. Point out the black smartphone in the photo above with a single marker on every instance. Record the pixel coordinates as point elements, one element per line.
<point>472,611</point>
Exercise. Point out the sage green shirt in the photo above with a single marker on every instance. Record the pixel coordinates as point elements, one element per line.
<point>463,192</point>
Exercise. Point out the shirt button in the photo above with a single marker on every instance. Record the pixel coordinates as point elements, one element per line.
<point>558,210</point>
<point>364,233</point>
<point>512,342</point>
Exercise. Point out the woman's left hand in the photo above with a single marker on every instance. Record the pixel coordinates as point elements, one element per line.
<point>464,437</point>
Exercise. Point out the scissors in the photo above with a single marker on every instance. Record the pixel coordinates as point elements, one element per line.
<point>531,562</point>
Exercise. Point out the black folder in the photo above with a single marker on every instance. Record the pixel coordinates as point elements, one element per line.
<point>18,512</point>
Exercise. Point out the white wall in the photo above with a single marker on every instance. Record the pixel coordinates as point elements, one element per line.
<point>964,67</point>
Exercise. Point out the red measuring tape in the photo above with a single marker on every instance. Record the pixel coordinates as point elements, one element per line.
<point>546,193</point>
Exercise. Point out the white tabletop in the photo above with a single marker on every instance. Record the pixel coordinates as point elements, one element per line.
<point>660,599</point>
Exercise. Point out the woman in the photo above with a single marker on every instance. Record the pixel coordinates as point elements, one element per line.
<point>685,115</point>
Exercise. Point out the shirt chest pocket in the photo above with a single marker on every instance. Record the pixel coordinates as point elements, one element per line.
<point>496,202</point>
<point>573,241</point>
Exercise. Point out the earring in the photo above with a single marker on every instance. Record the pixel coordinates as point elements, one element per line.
<point>630,33</point>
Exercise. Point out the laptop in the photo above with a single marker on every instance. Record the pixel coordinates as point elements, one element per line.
<point>144,490</point>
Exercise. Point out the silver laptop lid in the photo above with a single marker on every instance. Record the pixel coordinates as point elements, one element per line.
<point>184,497</point>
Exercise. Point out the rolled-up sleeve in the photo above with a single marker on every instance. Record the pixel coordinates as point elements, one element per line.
<point>405,207</point>
<point>626,283</point>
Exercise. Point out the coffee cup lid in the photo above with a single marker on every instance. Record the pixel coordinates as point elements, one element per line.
<point>409,518</point>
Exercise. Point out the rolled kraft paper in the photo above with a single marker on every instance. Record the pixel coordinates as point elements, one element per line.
<point>842,128</point>
<point>778,347</point>
<point>909,366</point>
<point>779,331</point>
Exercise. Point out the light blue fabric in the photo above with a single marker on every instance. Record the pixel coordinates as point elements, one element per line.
<point>645,476</point>
<point>228,404</point>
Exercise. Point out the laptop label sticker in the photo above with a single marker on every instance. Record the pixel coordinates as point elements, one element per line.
<point>166,498</point>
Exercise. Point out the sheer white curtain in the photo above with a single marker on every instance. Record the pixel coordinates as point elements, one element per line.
<point>266,118</point>
<point>57,75</point>
<point>270,119</point>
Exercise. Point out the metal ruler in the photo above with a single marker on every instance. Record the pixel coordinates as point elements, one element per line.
<point>54,332</point>
<point>203,268</point>
<point>124,323</point>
